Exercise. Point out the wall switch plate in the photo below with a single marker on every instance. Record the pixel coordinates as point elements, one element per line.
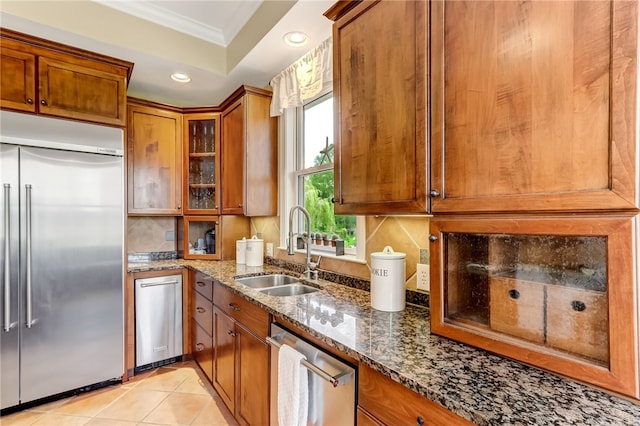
<point>270,249</point>
<point>169,236</point>
<point>422,271</point>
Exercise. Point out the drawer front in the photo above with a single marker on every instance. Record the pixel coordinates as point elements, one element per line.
<point>203,312</point>
<point>516,308</point>
<point>577,321</point>
<point>203,284</point>
<point>364,419</point>
<point>202,349</point>
<point>251,316</point>
<point>394,404</point>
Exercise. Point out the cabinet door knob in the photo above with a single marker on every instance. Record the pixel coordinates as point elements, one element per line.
<point>434,193</point>
<point>199,347</point>
<point>433,238</point>
<point>232,333</point>
<point>200,284</point>
<point>29,101</point>
<point>201,310</point>
<point>514,294</point>
<point>234,307</point>
<point>578,306</point>
<point>419,421</point>
<point>240,205</point>
<point>43,102</point>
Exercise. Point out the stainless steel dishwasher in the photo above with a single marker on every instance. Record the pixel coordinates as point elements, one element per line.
<point>158,306</point>
<point>332,382</point>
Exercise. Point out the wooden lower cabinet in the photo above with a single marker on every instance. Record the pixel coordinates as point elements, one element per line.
<point>381,401</point>
<point>365,419</point>
<point>252,378</point>
<point>224,345</point>
<point>201,319</point>
<point>202,349</point>
<point>241,364</point>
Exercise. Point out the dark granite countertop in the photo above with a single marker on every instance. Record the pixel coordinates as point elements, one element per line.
<point>484,388</point>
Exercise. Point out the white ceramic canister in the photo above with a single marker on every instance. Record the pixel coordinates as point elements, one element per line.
<point>255,251</point>
<point>388,280</point>
<point>241,251</point>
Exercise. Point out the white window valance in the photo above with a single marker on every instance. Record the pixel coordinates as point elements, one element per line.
<point>303,79</point>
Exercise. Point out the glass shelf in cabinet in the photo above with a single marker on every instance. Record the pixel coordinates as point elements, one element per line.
<point>202,185</point>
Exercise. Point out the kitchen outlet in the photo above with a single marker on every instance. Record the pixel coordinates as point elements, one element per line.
<point>270,249</point>
<point>422,271</point>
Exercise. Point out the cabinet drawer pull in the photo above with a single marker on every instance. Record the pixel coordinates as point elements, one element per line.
<point>578,306</point>
<point>514,294</point>
<point>29,101</point>
<point>199,347</point>
<point>234,307</point>
<point>43,102</point>
<point>419,421</point>
<point>200,310</point>
<point>232,333</point>
<point>200,284</point>
<point>434,193</point>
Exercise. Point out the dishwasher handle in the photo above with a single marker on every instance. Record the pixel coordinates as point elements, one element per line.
<point>158,283</point>
<point>334,380</point>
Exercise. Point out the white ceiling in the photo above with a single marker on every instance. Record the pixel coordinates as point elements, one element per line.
<point>221,44</point>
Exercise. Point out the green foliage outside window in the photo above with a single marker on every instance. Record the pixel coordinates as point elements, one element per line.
<point>318,192</point>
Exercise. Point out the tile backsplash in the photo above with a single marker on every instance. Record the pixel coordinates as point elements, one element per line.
<point>406,234</point>
<point>149,234</point>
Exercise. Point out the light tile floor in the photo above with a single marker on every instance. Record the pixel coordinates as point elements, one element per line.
<point>176,394</point>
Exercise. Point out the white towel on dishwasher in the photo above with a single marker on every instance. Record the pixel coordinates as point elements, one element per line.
<point>293,392</point>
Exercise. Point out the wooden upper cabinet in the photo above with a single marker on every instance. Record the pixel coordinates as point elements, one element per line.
<point>40,76</point>
<point>534,106</point>
<point>154,160</point>
<point>18,83</point>
<point>233,153</point>
<point>380,71</point>
<point>249,154</point>
<point>70,89</point>
<point>201,175</point>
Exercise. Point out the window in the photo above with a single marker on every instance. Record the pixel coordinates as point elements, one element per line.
<point>311,151</point>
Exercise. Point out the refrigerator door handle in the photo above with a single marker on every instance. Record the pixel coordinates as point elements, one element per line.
<point>27,188</point>
<point>7,299</point>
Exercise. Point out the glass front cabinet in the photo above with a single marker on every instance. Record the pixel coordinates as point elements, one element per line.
<point>201,137</point>
<point>555,292</point>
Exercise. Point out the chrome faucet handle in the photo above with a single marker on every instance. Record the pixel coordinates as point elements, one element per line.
<point>311,274</point>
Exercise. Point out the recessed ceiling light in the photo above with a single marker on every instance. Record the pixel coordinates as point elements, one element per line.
<point>296,38</point>
<point>180,77</point>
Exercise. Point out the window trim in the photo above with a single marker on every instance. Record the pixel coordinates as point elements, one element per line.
<point>290,131</point>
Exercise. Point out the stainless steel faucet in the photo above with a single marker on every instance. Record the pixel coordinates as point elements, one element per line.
<point>291,246</point>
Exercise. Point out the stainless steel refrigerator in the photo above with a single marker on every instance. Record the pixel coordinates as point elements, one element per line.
<point>62,256</point>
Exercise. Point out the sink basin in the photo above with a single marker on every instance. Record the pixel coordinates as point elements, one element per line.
<point>289,290</point>
<point>265,281</point>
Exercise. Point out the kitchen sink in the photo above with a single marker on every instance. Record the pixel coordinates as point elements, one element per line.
<point>289,290</point>
<point>265,281</point>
